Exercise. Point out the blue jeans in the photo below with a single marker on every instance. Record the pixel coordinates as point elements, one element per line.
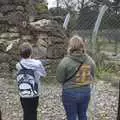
<point>75,102</point>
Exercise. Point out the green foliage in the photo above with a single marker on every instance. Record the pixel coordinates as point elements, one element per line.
<point>103,69</point>
<point>102,66</point>
<point>58,11</point>
<point>41,8</point>
<point>105,66</point>
<point>99,45</point>
<point>104,59</point>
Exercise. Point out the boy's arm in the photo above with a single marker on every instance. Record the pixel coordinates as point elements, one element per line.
<point>42,70</point>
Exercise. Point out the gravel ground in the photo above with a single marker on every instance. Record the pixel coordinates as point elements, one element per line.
<point>50,106</point>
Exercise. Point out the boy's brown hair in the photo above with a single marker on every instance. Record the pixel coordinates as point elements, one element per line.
<point>25,50</point>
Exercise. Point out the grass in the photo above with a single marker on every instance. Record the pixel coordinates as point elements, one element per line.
<point>105,45</point>
<point>107,69</point>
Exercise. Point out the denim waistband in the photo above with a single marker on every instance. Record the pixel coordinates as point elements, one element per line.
<point>82,88</point>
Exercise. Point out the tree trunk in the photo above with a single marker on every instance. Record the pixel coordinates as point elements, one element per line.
<point>82,4</point>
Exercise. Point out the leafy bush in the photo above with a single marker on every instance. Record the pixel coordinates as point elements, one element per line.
<point>41,8</point>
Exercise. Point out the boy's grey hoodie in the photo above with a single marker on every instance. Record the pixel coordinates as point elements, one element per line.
<point>35,65</point>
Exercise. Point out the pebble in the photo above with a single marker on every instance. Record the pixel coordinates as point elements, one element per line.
<point>50,106</point>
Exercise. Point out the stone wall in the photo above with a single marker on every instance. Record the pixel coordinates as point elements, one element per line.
<point>46,36</point>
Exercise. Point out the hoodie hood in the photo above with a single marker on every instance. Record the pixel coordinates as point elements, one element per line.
<point>78,57</point>
<point>29,64</point>
<point>33,64</point>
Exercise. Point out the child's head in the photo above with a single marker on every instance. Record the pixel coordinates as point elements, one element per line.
<point>26,50</point>
<point>76,43</point>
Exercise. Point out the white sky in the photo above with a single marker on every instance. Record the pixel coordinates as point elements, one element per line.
<point>51,3</point>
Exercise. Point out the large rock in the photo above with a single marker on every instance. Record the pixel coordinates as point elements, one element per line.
<point>19,1</point>
<point>3,45</point>
<point>4,67</point>
<point>7,8</point>
<point>2,2</point>
<point>51,27</point>
<point>43,23</point>
<point>48,41</point>
<point>46,36</point>
<point>9,35</point>
<point>16,18</point>
<point>4,57</point>
<point>56,51</point>
<point>52,37</point>
<point>39,52</point>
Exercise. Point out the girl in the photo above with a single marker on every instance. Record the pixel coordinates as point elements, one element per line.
<point>76,72</point>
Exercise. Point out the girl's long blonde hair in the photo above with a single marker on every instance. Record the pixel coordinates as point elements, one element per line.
<point>77,45</point>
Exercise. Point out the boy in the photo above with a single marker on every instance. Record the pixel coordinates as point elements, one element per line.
<point>29,72</point>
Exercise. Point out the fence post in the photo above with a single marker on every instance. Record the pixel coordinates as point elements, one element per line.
<point>97,25</point>
<point>118,115</point>
<point>0,115</point>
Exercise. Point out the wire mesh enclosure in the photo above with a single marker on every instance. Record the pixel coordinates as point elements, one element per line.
<point>98,21</point>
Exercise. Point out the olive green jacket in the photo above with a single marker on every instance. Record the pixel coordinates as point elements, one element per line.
<point>68,66</point>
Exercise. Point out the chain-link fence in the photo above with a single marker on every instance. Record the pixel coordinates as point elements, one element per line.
<point>107,54</point>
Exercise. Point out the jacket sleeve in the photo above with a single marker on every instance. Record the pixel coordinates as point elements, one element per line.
<point>60,72</point>
<point>41,70</point>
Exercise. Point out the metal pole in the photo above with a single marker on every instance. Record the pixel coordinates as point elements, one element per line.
<point>97,25</point>
<point>118,115</point>
<point>66,22</point>
<point>0,115</point>
<point>93,45</point>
